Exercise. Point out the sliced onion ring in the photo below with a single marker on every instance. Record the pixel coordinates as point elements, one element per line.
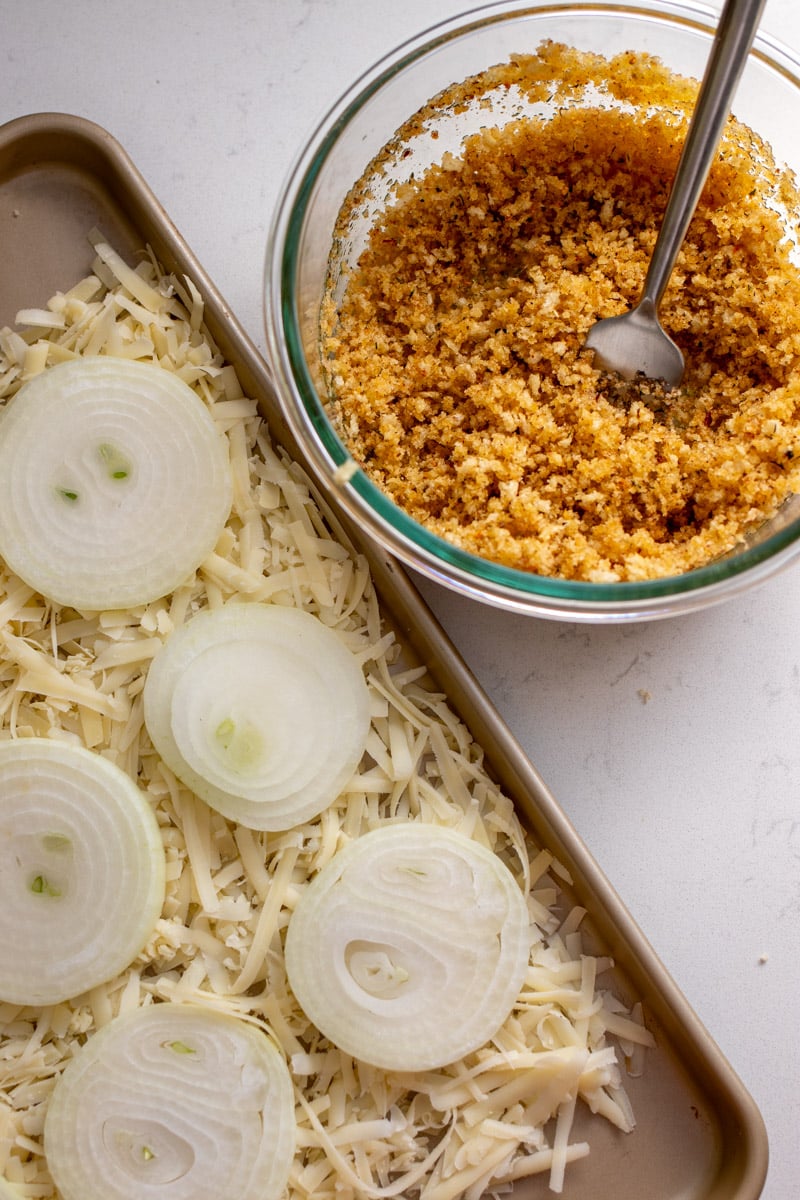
<point>410,947</point>
<point>174,1101</point>
<point>261,710</point>
<point>81,871</point>
<point>114,483</point>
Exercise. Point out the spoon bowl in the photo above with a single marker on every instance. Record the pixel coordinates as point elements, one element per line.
<point>635,343</point>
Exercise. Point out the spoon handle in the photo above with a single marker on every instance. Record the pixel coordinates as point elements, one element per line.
<point>735,32</point>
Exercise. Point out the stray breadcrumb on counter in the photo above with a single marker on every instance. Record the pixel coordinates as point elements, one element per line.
<point>457,372</point>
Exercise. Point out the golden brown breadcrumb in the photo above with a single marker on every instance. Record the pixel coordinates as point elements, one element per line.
<point>457,371</point>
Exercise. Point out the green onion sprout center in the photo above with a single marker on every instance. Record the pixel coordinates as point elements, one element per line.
<point>46,859</point>
<point>106,459</point>
<point>181,1048</point>
<point>241,742</point>
<point>116,464</point>
<point>148,1151</point>
<point>41,886</point>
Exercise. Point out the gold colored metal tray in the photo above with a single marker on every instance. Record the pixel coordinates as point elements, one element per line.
<point>699,1135</point>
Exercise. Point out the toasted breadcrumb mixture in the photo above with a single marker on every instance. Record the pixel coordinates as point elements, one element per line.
<point>456,367</point>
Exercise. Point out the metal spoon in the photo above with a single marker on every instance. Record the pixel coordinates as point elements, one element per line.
<point>635,343</point>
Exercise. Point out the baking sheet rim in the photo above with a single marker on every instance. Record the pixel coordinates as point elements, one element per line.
<point>425,629</point>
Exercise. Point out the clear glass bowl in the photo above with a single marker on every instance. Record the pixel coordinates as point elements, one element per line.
<point>300,246</point>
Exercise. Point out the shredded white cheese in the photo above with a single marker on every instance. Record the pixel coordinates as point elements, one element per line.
<point>502,1114</point>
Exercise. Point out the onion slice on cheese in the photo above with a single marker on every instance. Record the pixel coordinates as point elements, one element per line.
<point>114,483</point>
<point>175,1101</point>
<point>82,871</point>
<point>410,947</point>
<point>261,710</point>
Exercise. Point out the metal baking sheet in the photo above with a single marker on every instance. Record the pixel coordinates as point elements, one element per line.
<point>699,1134</point>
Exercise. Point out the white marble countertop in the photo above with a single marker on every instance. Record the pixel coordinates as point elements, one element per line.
<point>673,746</point>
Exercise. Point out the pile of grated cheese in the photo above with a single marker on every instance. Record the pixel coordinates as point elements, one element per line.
<point>505,1112</point>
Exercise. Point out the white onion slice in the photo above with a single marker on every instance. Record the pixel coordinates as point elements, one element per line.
<point>409,949</point>
<point>261,710</point>
<point>114,483</point>
<point>176,1102</point>
<point>81,871</point>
